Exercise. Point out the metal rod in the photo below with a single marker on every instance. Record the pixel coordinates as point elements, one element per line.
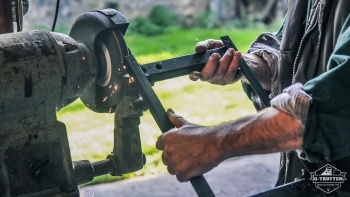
<point>156,108</point>
<point>179,66</point>
<point>85,171</point>
<point>249,74</point>
<point>102,167</point>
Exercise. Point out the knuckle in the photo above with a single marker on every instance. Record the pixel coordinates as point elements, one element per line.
<point>171,170</point>
<point>179,169</point>
<point>205,77</point>
<point>180,178</point>
<point>165,159</point>
<point>183,177</point>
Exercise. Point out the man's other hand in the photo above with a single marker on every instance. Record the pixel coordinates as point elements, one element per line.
<point>190,150</point>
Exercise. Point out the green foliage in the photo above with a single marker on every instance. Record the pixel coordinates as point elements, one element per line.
<point>182,41</point>
<point>159,20</point>
<point>113,5</point>
<point>162,17</point>
<point>144,26</point>
<point>207,20</point>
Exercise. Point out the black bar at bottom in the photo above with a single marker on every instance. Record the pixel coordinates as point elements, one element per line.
<point>302,187</point>
<point>156,108</point>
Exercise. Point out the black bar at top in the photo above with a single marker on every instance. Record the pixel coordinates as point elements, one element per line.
<point>179,66</point>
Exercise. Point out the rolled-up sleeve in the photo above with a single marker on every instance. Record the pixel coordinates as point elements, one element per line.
<point>266,46</point>
<point>294,101</point>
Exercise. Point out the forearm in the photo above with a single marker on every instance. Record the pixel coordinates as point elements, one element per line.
<point>191,150</point>
<point>271,130</point>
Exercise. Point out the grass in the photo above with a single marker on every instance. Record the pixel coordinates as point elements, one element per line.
<point>182,42</point>
<point>91,134</point>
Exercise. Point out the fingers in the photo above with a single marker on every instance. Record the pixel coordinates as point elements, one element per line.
<point>208,44</point>
<point>231,71</point>
<point>180,174</point>
<point>160,143</point>
<point>195,75</point>
<point>210,67</point>
<point>221,71</point>
<point>178,121</point>
<point>171,169</point>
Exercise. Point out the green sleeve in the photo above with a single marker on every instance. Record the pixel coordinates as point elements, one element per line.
<point>327,130</point>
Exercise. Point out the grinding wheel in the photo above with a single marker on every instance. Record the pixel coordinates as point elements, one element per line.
<point>108,89</point>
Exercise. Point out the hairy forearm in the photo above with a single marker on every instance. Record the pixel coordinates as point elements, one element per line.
<point>271,130</point>
<point>191,150</point>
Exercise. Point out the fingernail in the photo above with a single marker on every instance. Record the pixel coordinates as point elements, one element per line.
<point>215,56</point>
<point>231,51</point>
<point>196,73</point>
<point>171,110</point>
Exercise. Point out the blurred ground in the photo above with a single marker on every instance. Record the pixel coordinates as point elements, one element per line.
<point>232,178</point>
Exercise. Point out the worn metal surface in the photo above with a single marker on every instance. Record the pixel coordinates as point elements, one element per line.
<point>127,153</point>
<point>40,72</point>
<point>36,162</point>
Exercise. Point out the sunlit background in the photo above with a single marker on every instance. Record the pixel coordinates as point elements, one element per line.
<point>156,32</point>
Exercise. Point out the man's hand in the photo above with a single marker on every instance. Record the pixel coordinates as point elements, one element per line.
<point>190,150</point>
<point>224,70</point>
<point>218,70</point>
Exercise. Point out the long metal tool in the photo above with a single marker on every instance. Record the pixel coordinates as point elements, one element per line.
<point>156,108</point>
